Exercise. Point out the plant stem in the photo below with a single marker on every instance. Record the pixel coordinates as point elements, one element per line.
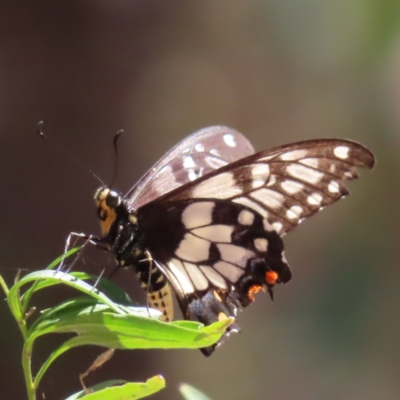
<point>4,286</point>
<point>26,365</point>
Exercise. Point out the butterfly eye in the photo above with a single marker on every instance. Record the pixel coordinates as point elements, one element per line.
<point>113,199</point>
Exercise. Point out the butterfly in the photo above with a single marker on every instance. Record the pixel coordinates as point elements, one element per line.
<point>206,221</point>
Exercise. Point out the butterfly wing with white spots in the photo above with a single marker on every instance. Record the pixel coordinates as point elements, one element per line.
<point>215,253</point>
<point>195,156</point>
<point>216,260</point>
<point>287,184</point>
<point>216,237</point>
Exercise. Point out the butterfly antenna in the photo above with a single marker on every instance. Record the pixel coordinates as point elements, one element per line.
<point>39,130</point>
<point>115,142</point>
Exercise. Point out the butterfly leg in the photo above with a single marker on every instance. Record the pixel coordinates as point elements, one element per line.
<point>74,236</point>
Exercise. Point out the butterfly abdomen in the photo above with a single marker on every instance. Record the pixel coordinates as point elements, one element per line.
<point>157,289</point>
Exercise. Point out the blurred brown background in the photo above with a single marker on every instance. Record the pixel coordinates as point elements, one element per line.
<point>278,71</point>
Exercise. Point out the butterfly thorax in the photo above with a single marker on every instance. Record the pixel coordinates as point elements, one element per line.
<point>119,226</point>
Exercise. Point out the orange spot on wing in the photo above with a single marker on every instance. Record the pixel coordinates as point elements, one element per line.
<point>271,277</point>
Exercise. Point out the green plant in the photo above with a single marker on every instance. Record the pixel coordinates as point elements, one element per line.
<point>101,315</point>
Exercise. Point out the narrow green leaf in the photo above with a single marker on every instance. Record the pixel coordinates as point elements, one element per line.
<point>108,329</point>
<point>57,277</point>
<point>128,391</point>
<point>128,332</point>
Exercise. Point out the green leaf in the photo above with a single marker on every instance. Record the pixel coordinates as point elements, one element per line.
<point>56,277</point>
<point>98,325</point>
<point>190,393</point>
<point>97,320</point>
<point>105,319</point>
<point>128,332</point>
<point>128,391</point>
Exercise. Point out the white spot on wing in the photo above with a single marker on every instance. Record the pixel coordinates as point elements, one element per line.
<point>269,197</point>
<point>188,162</point>
<point>310,162</point>
<point>293,155</point>
<point>214,277</point>
<point>198,279</point>
<point>181,275</point>
<point>260,171</point>
<point>277,226</point>
<point>229,140</point>
<point>215,233</point>
<point>197,214</point>
<point>292,187</point>
<point>294,212</point>
<point>267,158</point>
<point>255,184</point>
<point>230,272</point>
<point>259,174</point>
<point>261,244</point>
<point>251,204</point>
<point>304,173</point>
<point>314,199</point>
<point>341,152</point>
<point>199,147</point>
<point>333,187</point>
<point>235,254</point>
<point>193,248</point>
<point>221,186</point>
<point>246,217</point>
<point>193,175</point>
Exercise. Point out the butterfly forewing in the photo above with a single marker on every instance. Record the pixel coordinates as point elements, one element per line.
<point>195,156</point>
<point>284,185</point>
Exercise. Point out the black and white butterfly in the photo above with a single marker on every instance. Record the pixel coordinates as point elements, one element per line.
<point>208,218</point>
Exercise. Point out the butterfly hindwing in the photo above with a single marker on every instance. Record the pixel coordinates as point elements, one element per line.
<point>213,248</point>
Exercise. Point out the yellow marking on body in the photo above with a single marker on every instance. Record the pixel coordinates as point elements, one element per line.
<point>107,213</point>
<point>162,301</point>
<point>132,218</point>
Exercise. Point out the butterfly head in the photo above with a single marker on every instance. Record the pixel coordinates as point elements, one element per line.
<point>107,201</point>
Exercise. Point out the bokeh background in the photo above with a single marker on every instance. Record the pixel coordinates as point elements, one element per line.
<point>279,71</point>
